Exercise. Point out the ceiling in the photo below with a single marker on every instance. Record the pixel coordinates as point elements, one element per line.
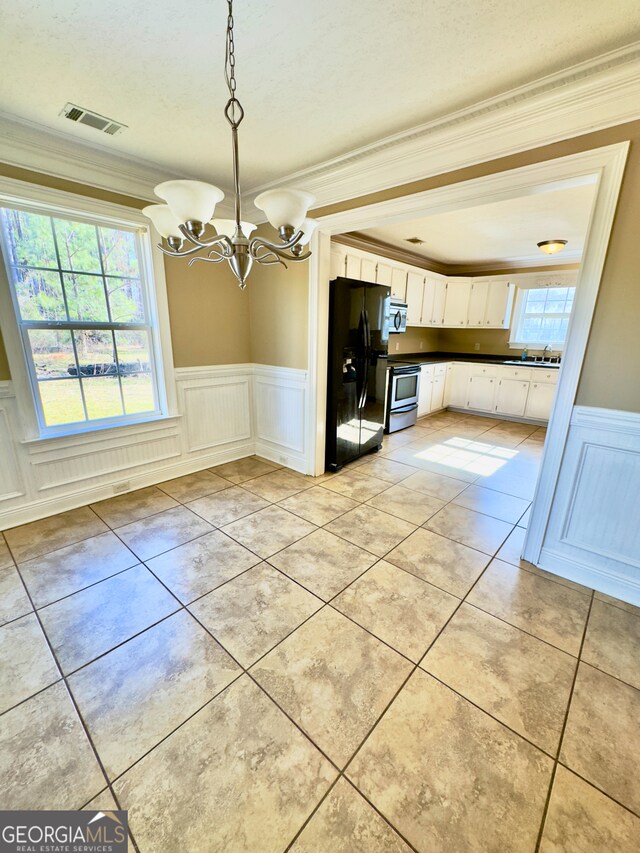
<point>316,79</point>
<point>502,233</point>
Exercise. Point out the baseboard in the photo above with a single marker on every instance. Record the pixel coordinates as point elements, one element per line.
<point>498,415</point>
<point>624,588</point>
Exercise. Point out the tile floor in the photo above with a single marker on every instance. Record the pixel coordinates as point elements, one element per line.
<point>251,660</point>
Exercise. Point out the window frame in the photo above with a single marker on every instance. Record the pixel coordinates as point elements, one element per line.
<point>47,202</point>
<point>515,342</point>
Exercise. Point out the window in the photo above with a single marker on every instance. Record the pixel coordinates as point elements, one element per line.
<point>541,317</point>
<point>83,313</point>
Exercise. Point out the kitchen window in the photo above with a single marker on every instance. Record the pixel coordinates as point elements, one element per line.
<point>541,317</point>
<point>81,293</point>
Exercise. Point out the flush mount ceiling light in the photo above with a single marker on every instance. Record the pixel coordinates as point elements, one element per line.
<point>550,247</point>
<point>190,206</point>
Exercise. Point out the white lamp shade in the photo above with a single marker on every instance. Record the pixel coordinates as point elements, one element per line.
<point>308,227</point>
<point>190,200</point>
<point>163,220</point>
<point>285,207</point>
<point>550,247</point>
<point>228,227</point>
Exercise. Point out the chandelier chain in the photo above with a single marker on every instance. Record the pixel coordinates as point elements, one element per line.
<point>233,110</point>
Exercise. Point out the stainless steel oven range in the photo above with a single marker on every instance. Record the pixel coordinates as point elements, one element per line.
<point>402,396</point>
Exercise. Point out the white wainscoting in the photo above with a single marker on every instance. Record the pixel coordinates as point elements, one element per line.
<point>225,412</point>
<point>593,535</point>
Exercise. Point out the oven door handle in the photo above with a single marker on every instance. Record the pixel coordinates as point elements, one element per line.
<point>404,409</point>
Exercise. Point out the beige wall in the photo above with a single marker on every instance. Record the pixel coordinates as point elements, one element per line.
<point>414,340</point>
<point>208,313</point>
<point>614,336</point>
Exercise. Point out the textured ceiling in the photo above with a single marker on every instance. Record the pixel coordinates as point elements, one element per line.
<point>317,79</point>
<point>503,232</point>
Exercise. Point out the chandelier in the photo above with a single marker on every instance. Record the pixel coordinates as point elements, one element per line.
<point>190,206</point>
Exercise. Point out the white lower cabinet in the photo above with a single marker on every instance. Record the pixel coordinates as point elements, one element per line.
<point>456,385</point>
<point>540,400</point>
<point>437,393</point>
<point>511,397</point>
<point>424,393</point>
<point>481,393</point>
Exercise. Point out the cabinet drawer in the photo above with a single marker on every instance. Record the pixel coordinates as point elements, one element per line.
<point>547,376</point>
<point>490,370</point>
<point>524,374</point>
<point>439,369</point>
<point>426,370</point>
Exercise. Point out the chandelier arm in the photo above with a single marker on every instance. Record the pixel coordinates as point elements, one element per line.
<point>260,241</point>
<point>222,240</point>
<point>183,254</point>
<point>208,259</point>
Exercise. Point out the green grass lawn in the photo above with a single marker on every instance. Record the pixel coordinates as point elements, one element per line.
<point>62,400</point>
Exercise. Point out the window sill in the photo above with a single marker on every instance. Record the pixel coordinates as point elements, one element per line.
<point>536,347</point>
<point>113,429</point>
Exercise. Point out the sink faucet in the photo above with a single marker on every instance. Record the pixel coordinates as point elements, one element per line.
<point>545,351</point>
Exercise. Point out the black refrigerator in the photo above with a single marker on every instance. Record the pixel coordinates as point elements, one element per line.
<point>357,369</point>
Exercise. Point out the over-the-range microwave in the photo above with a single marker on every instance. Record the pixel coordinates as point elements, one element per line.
<point>397,317</point>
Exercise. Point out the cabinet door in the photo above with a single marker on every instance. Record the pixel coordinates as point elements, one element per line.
<point>456,306</point>
<point>354,266</point>
<point>399,283</point>
<point>338,262</point>
<point>481,393</point>
<point>383,274</point>
<point>498,309</point>
<point>477,303</point>
<point>415,295</point>
<point>437,393</point>
<point>368,270</point>
<point>424,392</point>
<point>439,299</point>
<point>511,397</point>
<point>457,385</point>
<point>540,400</point>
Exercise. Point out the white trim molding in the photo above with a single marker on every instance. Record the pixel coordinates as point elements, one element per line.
<point>225,412</point>
<point>593,536</point>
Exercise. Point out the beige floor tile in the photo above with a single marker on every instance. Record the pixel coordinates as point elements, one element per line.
<point>323,563</point>
<point>442,562</point>
<point>516,678</point>
<point>407,504</point>
<point>256,776</point>
<point>397,439</point>
<point>196,568</point>
<point>497,504</point>
<point>470,528</point>
<point>524,521</point>
<point>511,551</point>
<point>278,485</point>
<point>227,506</point>
<point>582,820</point>
<point>346,823</point>
<point>89,623</point>
<point>509,483</point>
<point>613,642</point>
<point>133,506</point>
<point>623,605</point>
<point>137,694</point>
<point>547,610</point>
<point>26,662</point>
<point>269,530</point>
<point>333,679</point>
<point>354,485</point>
<point>158,533</point>
<point>103,802</point>
<point>436,485</point>
<point>405,612</point>
<point>386,469</point>
<point>253,612</point>
<point>371,529</point>
<point>14,601</point>
<point>70,569</point>
<point>319,506</point>
<point>244,469</point>
<point>601,741</point>
<point>193,486</point>
<point>49,534</point>
<point>5,555</point>
<point>461,781</point>
<point>46,760</point>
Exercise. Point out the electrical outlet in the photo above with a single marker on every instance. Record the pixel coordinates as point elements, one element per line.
<point>476,347</point>
<point>420,344</point>
<point>397,346</point>
<point>121,487</point>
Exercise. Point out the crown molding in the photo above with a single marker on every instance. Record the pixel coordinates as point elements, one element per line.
<point>590,96</point>
<point>28,145</point>
<point>355,240</point>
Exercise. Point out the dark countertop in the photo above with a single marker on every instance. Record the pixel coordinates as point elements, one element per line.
<point>439,357</point>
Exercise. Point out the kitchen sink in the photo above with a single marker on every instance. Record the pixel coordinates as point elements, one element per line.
<point>533,363</point>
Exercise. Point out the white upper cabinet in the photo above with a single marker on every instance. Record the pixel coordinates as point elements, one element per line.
<point>354,266</point>
<point>477,304</point>
<point>399,283</point>
<point>497,313</point>
<point>368,270</point>
<point>338,262</point>
<point>456,306</point>
<point>439,298</point>
<point>415,297</point>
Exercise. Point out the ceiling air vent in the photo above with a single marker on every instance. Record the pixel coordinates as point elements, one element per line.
<point>95,120</point>
<point>415,240</point>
